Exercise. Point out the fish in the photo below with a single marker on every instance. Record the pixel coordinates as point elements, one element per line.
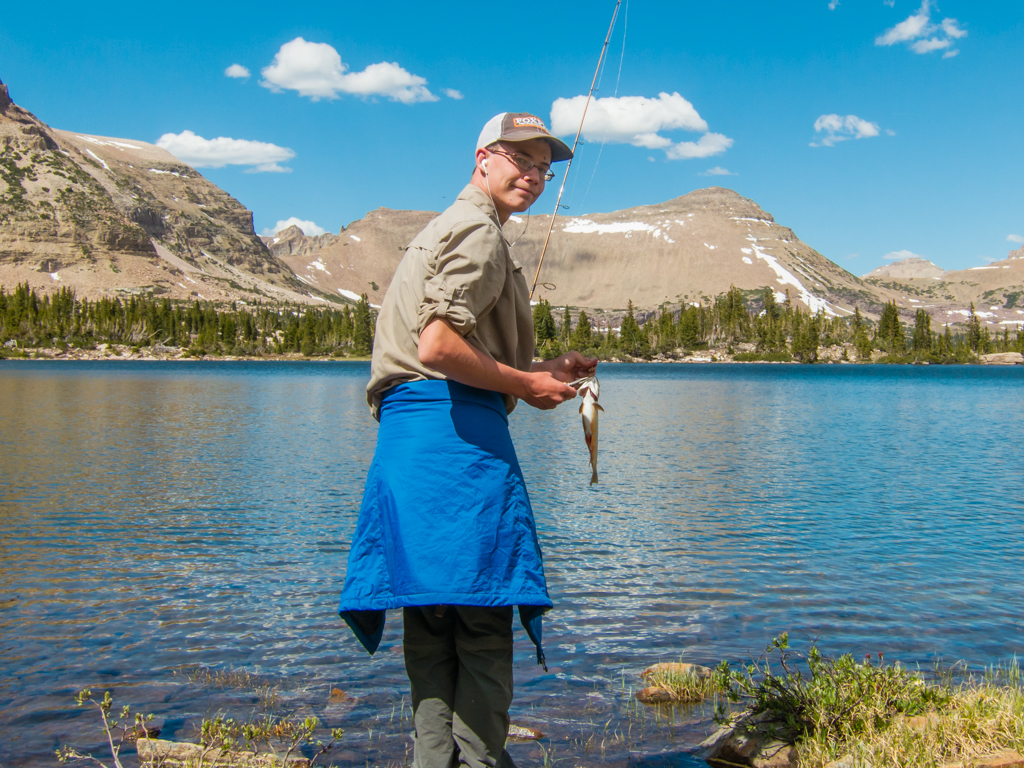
<point>591,390</point>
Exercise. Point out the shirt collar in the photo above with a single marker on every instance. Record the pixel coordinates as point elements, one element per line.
<point>471,193</point>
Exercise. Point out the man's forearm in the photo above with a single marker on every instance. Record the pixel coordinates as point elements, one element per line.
<point>445,350</point>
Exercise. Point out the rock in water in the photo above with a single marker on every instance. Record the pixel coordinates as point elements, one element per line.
<point>748,741</point>
<point>519,733</point>
<point>654,695</point>
<point>677,668</point>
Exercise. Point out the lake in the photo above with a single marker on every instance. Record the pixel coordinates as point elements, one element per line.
<point>162,523</point>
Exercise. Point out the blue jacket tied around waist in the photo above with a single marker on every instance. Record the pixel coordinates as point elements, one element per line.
<point>446,519</point>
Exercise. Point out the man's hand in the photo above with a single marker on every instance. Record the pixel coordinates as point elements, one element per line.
<point>545,391</point>
<point>568,367</point>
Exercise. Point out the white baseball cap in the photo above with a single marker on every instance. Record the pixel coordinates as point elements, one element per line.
<point>522,126</point>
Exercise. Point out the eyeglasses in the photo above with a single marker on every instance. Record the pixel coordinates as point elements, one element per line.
<point>526,164</point>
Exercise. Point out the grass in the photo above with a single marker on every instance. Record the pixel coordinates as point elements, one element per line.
<point>980,718</point>
<point>267,694</point>
<point>679,683</point>
<point>264,741</point>
<point>878,713</point>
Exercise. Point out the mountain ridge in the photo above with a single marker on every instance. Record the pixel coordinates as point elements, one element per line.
<point>108,216</point>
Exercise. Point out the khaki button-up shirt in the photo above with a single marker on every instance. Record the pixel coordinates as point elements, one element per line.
<point>458,268</point>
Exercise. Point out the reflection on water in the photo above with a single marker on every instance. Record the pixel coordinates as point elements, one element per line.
<point>160,515</point>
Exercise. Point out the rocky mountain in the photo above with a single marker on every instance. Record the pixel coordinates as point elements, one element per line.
<point>361,259</point>
<point>996,290</point>
<point>907,268</point>
<point>292,241</point>
<point>110,216</point>
<point>692,248</point>
<point>688,249</point>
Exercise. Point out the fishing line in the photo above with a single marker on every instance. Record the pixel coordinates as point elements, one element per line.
<point>622,57</point>
<point>572,192</point>
<point>586,104</point>
<point>600,79</point>
<point>625,27</point>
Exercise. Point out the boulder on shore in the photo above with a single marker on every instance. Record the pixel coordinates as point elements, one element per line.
<point>751,740</point>
<point>183,753</point>
<point>1003,358</point>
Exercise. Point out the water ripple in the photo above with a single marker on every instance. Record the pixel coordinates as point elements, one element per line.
<point>159,516</point>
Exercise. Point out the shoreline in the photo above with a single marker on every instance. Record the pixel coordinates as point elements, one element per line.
<point>838,355</point>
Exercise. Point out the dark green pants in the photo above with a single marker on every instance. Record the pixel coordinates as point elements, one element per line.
<point>460,669</point>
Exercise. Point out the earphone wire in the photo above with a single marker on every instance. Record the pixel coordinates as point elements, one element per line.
<point>487,178</point>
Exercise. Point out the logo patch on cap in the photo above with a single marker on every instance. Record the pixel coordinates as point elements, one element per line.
<point>536,122</point>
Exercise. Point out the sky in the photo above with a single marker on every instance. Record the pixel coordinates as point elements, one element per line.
<point>875,129</point>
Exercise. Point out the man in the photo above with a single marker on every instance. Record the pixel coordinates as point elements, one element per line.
<point>446,531</point>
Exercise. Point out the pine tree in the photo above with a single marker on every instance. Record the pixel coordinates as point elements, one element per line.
<point>890,334</point>
<point>973,330</point>
<point>922,340</point>
<point>566,330</point>
<point>861,340</point>
<point>806,338</point>
<point>362,329</point>
<point>666,330</point>
<point>543,323</point>
<point>689,327</point>
<point>630,336</point>
<point>771,305</point>
<point>582,335</point>
<point>307,337</point>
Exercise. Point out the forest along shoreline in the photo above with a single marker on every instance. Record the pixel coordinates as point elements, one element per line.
<point>838,354</point>
<point>738,327</point>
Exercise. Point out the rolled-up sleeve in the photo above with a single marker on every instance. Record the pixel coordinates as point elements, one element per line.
<point>468,277</point>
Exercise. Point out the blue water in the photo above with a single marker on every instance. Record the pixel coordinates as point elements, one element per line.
<point>159,516</point>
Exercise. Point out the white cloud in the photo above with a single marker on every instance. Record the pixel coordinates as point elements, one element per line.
<point>890,132</point>
<point>890,3</point>
<point>238,71</point>
<point>951,54</point>
<point>717,171</point>
<point>896,255</point>
<point>316,70</point>
<point>921,35</point>
<point>838,128</point>
<point>451,93</point>
<point>216,153</point>
<point>309,228</point>
<point>1014,239</point>
<point>912,27</point>
<point>929,45</point>
<point>833,4</point>
<point>952,29</point>
<point>708,145</point>
<point>639,121</point>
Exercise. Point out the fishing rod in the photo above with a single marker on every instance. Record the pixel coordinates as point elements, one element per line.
<point>586,104</point>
